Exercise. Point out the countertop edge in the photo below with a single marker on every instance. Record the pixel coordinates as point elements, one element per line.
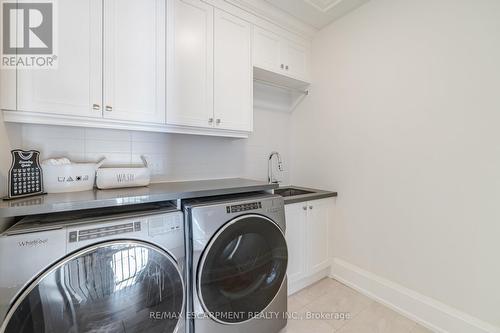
<point>309,197</point>
<point>21,207</point>
<point>317,195</point>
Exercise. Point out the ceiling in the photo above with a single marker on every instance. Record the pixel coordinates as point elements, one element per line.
<point>317,13</point>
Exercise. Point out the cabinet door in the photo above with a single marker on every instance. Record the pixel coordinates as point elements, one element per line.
<point>190,63</point>
<point>134,60</point>
<point>296,223</point>
<point>296,59</point>
<point>318,220</point>
<point>233,89</point>
<point>76,84</point>
<point>8,89</point>
<point>267,50</point>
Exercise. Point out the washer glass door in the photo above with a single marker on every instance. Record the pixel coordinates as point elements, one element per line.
<point>122,286</point>
<point>242,269</point>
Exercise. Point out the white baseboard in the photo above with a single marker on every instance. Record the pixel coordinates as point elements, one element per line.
<point>295,286</point>
<point>432,314</point>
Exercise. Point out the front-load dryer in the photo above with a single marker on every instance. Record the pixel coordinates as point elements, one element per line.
<point>238,258</point>
<point>94,273</point>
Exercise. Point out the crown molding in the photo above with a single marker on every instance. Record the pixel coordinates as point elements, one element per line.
<point>325,7</point>
<point>274,15</point>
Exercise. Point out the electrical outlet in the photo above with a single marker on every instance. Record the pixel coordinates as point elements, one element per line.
<point>156,164</point>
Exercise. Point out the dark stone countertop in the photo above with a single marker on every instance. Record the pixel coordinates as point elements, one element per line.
<point>315,195</point>
<point>63,202</point>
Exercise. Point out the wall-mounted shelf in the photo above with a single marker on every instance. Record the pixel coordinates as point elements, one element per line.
<point>277,92</point>
<point>293,89</point>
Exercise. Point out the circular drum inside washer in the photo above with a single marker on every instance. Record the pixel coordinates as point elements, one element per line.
<point>108,287</point>
<point>242,269</point>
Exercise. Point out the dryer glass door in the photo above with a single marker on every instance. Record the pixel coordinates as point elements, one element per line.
<point>123,286</point>
<point>242,269</point>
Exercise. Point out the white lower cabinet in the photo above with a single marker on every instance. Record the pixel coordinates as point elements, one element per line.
<point>296,223</point>
<point>307,235</point>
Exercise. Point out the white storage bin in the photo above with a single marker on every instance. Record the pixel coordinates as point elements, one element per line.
<point>108,178</point>
<point>69,177</point>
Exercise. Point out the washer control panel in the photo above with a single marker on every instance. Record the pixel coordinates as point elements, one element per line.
<point>87,234</point>
<point>243,207</point>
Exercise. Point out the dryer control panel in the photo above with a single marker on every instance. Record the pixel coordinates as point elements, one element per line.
<point>243,207</point>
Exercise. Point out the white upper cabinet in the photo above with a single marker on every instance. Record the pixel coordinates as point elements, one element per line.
<point>190,64</point>
<point>279,54</point>
<point>233,89</point>
<point>267,50</point>
<point>179,66</point>
<point>8,89</point>
<point>296,60</point>
<point>209,68</point>
<point>76,85</point>
<point>134,60</point>
<point>130,70</point>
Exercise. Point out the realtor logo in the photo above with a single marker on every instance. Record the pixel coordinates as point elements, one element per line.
<point>28,34</point>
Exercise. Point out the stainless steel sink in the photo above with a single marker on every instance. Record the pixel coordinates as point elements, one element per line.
<point>291,192</point>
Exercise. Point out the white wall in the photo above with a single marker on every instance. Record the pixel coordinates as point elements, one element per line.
<point>173,156</point>
<point>6,142</point>
<point>404,121</point>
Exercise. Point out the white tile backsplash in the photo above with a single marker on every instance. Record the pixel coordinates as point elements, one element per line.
<point>171,157</point>
<point>56,132</point>
<point>111,146</point>
<point>107,134</point>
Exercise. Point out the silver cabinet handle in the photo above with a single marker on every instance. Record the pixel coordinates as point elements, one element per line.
<point>96,107</point>
<point>109,108</point>
<point>311,207</point>
<point>286,67</point>
<point>218,121</point>
<point>304,208</point>
<point>210,121</point>
<point>282,66</point>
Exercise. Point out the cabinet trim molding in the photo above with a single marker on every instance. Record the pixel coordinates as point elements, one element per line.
<point>74,121</point>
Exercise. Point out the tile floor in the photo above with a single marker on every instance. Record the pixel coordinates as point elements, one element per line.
<point>334,299</point>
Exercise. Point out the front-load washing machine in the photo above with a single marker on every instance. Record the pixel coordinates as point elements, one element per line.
<point>93,272</point>
<point>238,258</point>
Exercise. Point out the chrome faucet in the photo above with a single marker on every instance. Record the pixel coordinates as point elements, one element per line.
<point>270,176</point>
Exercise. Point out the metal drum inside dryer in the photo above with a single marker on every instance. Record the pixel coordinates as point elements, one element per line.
<point>111,274</point>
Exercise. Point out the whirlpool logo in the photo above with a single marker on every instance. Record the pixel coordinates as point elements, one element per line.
<point>33,243</point>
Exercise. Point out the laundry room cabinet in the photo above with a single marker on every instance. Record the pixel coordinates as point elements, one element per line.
<point>210,68</point>
<point>110,65</point>
<point>134,60</point>
<point>190,64</point>
<point>281,55</point>
<point>74,88</point>
<point>233,75</point>
<point>308,239</point>
<point>175,66</point>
